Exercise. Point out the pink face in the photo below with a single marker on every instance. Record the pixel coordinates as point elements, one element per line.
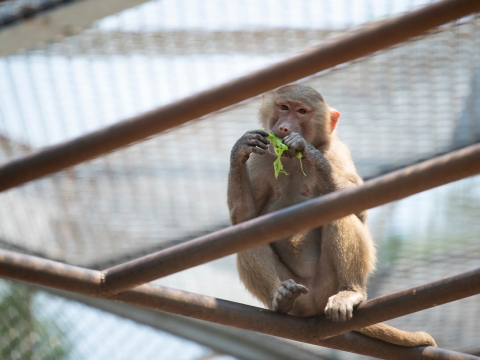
<point>291,117</point>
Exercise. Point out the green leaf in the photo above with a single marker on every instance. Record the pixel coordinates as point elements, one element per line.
<point>299,155</point>
<point>279,147</point>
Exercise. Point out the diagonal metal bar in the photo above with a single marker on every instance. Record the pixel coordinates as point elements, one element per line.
<point>307,215</point>
<point>71,278</point>
<point>405,302</point>
<point>359,43</point>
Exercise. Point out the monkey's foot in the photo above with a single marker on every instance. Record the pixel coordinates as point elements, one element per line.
<point>340,306</point>
<point>286,294</point>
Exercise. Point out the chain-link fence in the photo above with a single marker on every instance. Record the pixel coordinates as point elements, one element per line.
<point>398,106</point>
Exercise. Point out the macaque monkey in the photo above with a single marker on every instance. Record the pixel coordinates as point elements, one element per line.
<point>323,270</point>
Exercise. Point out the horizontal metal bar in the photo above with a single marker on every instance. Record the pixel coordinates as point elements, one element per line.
<point>286,222</point>
<point>60,276</point>
<point>359,43</point>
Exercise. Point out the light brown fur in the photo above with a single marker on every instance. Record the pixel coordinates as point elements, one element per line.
<point>319,270</point>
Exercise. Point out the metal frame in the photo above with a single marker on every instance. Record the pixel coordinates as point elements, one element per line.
<point>286,222</point>
<point>116,283</point>
<point>45,21</point>
<point>315,330</point>
<point>243,344</point>
<point>358,43</point>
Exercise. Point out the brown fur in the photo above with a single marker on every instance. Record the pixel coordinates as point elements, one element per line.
<point>319,270</point>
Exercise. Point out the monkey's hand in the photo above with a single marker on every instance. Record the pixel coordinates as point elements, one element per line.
<point>253,141</point>
<point>286,294</point>
<point>340,306</point>
<point>295,142</point>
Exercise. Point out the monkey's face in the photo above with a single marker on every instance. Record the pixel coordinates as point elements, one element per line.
<point>299,109</point>
<point>290,117</point>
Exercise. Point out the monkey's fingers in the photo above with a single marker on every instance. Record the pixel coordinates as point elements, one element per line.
<point>345,312</point>
<point>290,153</point>
<point>284,292</point>
<point>259,135</point>
<point>338,311</point>
<point>294,140</point>
<point>302,289</point>
<point>329,308</point>
<point>257,143</point>
<point>290,285</point>
<point>261,132</point>
<point>257,150</point>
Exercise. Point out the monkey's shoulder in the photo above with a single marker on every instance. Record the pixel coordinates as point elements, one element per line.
<point>339,157</point>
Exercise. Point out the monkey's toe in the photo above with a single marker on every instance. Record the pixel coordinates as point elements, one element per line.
<point>340,306</point>
<point>286,294</point>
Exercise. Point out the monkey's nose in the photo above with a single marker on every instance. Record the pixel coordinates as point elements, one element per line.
<point>284,130</point>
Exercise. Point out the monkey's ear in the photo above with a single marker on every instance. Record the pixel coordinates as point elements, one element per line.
<point>334,115</point>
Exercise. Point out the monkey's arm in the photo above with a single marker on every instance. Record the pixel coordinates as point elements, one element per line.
<point>332,181</point>
<point>354,180</point>
<point>296,142</point>
<point>240,193</point>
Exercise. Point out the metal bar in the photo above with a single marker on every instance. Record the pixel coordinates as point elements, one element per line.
<point>40,271</point>
<point>286,222</point>
<point>359,43</point>
<point>256,319</point>
<point>49,18</point>
<point>405,302</point>
<point>273,323</point>
<point>28,11</point>
<point>240,343</point>
<point>60,276</point>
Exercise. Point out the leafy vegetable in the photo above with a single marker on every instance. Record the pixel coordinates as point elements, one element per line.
<point>279,147</point>
<point>299,155</point>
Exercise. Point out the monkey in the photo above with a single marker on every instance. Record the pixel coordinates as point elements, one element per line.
<point>322,270</point>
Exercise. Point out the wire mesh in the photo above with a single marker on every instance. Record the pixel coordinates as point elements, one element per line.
<point>398,106</point>
<point>38,325</point>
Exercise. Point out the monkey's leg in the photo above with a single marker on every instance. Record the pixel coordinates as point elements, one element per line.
<point>353,257</point>
<point>349,247</point>
<point>268,279</point>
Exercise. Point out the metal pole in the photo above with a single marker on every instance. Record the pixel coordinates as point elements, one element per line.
<point>40,271</point>
<point>405,302</point>
<point>71,278</point>
<point>359,43</point>
<point>286,222</point>
<point>273,323</point>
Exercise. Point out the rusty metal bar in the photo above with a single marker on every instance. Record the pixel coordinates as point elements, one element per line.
<point>359,43</point>
<point>289,221</point>
<point>273,323</point>
<point>405,302</point>
<point>53,274</point>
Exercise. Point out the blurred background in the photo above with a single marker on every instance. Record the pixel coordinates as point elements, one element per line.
<point>70,67</point>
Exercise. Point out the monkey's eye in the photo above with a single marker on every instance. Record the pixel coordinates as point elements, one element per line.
<point>284,107</point>
<point>302,111</point>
